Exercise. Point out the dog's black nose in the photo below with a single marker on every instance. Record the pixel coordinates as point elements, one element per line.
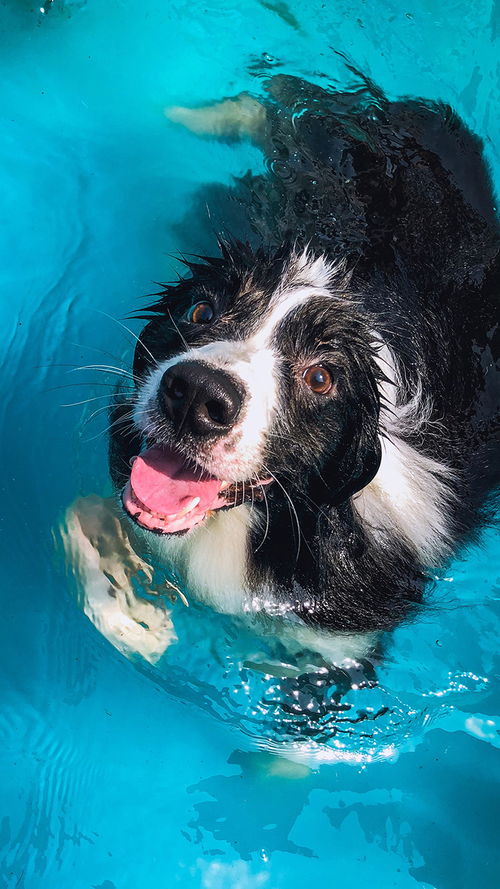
<point>200,399</point>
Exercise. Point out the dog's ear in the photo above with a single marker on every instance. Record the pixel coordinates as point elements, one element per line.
<point>357,455</point>
<point>356,465</point>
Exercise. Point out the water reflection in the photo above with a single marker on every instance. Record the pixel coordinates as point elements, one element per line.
<point>272,805</point>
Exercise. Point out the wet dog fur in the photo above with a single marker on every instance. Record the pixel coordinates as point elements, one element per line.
<point>374,253</point>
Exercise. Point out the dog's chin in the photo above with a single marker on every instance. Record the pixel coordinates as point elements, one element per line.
<point>169,494</point>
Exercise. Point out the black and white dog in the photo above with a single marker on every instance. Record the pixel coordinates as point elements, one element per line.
<point>312,427</point>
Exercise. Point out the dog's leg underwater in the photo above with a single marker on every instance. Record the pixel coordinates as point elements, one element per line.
<point>109,575</point>
<point>242,117</point>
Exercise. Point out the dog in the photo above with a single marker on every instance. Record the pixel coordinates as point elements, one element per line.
<point>311,434</point>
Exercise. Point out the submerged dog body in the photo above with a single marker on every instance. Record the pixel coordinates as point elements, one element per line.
<point>312,425</point>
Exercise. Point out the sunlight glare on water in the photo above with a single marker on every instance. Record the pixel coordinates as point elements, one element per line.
<point>225,761</point>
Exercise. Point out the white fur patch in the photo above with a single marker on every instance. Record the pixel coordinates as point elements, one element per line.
<point>317,271</point>
<point>306,277</point>
<point>410,492</point>
<point>213,558</point>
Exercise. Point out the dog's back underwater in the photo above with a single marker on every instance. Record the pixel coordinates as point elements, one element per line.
<point>368,304</point>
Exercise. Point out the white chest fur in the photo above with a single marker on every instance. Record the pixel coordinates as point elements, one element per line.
<point>212,560</point>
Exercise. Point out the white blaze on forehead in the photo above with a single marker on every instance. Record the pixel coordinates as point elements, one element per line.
<point>304,279</point>
<point>280,309</point>
<point>305,268</point>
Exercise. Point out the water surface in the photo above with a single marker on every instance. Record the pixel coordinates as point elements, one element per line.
<point>120,774</point>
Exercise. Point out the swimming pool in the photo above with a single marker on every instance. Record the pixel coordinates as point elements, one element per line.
<point>118,773</point>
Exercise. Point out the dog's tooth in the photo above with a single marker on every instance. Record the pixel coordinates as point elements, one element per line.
<point>185,509</point>
<point>193,503</point>
<point>225,485</point>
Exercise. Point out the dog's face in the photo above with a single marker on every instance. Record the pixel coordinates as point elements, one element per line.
<point>257,370</point>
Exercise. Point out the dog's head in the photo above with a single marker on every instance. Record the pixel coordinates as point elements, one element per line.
<point>256,370</point>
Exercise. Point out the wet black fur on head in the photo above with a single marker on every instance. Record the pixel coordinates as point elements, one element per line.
<point>401,192</point>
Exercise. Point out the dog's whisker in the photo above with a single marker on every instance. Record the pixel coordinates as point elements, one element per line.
<point>290,506</point>
<point>266,530</point>
<point>109,395</point>
<point>106,407</point>
<point>183,340</point>
<point>103,368</point>
<point>99,367</point>
<point>252,501</point>
<point>127,417</point>
<point>119,420</point>
<point>316,507</point>
<point>131,332</point>
<point>98,350</point>
<point>116,391</point>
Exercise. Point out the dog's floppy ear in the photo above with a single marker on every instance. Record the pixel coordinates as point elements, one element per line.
<point>356,457</point>
<point>355,468</point>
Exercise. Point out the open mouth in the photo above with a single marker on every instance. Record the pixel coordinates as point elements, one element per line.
<point>168,494</point>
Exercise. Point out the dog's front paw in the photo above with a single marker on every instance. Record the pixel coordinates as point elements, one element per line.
<point>111,578</point>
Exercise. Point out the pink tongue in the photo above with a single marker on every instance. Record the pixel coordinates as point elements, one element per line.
<point>164,483</point>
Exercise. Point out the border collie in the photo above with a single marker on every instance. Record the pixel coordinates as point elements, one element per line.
<point>312,428</point>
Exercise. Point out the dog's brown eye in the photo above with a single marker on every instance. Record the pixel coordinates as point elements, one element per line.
<point>319,379</point>
<point>201,313</point>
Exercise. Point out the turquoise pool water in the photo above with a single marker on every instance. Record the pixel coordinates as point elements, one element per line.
<point>119,773</point>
